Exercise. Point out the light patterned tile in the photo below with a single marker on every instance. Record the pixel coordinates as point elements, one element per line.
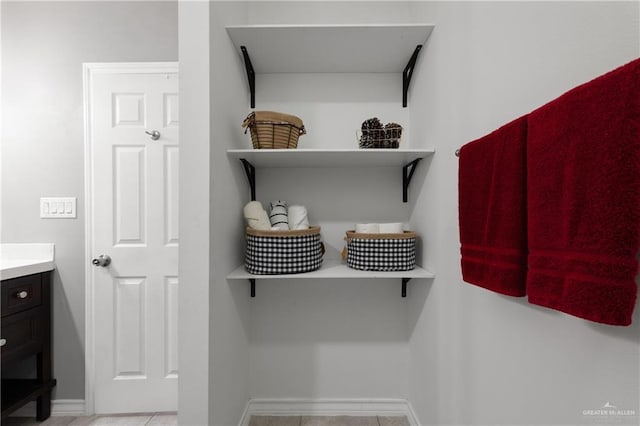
<point>58,421</point>
<point>393,421</point>
<point>163,419</point>
<point>338,421</point>
<point>31,421</point>
<point>124,420</point>
<point>83,420</point>
<point>22,421</point>
<point>274,421</point>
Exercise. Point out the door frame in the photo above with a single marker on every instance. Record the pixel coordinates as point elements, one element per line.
<point>89,69</point>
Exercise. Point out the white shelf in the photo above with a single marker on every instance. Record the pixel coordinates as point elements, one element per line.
<point>330,48</point>
<point>332,269</point>
<point>329,158</point>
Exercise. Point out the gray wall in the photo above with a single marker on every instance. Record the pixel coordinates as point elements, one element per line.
<point>479,358</point>
<point>467,356</point>
<point>474,357</point>
<point>229,302</point>
<point>43,47</point>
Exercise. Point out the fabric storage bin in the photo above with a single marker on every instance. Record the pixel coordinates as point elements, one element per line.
<point>283,252</point>
<point>381,252</point>
<point>273,130</point>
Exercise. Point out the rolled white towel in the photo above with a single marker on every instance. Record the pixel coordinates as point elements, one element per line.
<point>278,215</point>
<point>298,218</point>
<point>367,228</point>
<point>391,228</point>
<point>256,216</point>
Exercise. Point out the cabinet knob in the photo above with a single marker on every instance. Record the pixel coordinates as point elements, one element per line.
<point>3,342</point>
<point>22,294</point>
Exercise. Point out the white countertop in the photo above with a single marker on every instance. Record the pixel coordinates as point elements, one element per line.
<point>17,260</point>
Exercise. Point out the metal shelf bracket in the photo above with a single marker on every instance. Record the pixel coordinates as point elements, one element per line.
<point>407,174</point>
<point>250,171</point>
<point>251,75</point>
<point>408,73</point>
<point>252,281</point>
<point>404,286</point>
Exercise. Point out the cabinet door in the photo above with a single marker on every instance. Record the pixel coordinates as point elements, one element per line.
<point>23,334</point>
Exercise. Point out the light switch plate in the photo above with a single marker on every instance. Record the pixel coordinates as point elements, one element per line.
<point>58,207</point>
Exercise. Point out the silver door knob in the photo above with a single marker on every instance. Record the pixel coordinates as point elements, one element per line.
<point>102,260</point>
<point>155,135</point>
<point>3,342</point>
<point>22,294</point>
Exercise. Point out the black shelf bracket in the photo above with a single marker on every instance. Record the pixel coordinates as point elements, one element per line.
<point>404,286</point>
<point>250,171</point>
<point>252,281</point>
<point>407,174</point>
<point>251,75</point>
<point>407,74</point>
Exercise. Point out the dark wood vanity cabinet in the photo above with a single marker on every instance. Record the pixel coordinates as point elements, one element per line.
<point>25,332</point>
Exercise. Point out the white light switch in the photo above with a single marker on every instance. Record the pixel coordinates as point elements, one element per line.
<point>58,207</point>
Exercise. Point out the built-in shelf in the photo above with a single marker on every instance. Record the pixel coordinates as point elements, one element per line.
<point>367,48</point>
<point>408,159</point>
<point>334,269</point>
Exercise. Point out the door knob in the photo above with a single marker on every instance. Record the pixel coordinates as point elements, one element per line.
<point>22,294</point>
<point>3,342</point>
<point>155,135</point>
<point>102,260</point>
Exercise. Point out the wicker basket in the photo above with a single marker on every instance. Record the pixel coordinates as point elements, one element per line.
<point>381,252</point>
<point>283,252</point>
<point>273,130</point>
<point>379,138</point>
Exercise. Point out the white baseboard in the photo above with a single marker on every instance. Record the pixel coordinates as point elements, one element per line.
<point>412,416</point>
<point>328,407</point>
<point>59,407</point>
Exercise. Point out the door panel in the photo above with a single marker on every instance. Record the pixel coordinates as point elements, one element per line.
<point>171,327</point>
<point>129,179</point>
<point>129,334</point>
<point>171,159</point>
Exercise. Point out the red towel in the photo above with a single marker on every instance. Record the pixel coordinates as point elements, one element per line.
<point>583,162</point>
<point>492,209</point>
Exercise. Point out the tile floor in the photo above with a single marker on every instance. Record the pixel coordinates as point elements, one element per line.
<point>166,419</point>
<point>328,421</point>
<point>150,419</point>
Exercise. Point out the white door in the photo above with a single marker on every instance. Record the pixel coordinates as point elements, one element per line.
<point>132,137</point>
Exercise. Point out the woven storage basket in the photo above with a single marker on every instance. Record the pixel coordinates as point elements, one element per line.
<point>283,252</point>
<point>381,252</point>
<point>273,130</point>
<point>380,138</point>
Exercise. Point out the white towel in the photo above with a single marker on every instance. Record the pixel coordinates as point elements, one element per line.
<point>298,218</point>
<point>391,228</point>
<point>367,228</point>
<point>256,216</point>
<point>278,215</point>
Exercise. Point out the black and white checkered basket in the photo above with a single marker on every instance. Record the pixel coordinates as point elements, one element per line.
<point>283,252</point>
<point>381,252</point>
